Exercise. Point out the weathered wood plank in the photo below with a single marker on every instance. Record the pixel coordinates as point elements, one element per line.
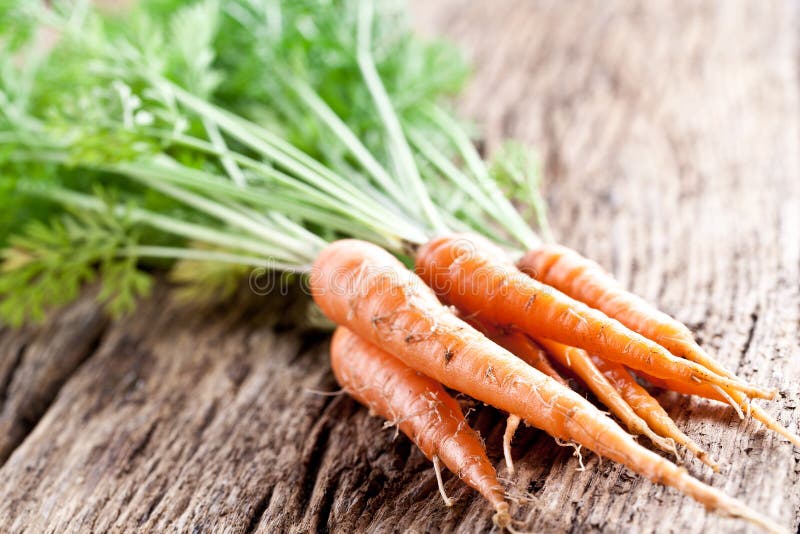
<point>179,419</point>
<point>35,363</point>
<point>670,136</point>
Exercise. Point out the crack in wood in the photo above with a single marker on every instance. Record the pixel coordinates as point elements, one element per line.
<point>315,452</point>
<point>20,421</point>
<point>259,510</point>
<point>748,340</point>
<point>20,353</point>
<point>152,506</point>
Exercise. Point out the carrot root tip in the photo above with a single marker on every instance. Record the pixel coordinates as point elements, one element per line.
<point>502,518</point>
<point>730,400</point>
<point>743,512</point>
<point>437,467</point>
<point>706,459</point>
<point>511,427</point>
<point>771,393</point>
<point>577,452</point>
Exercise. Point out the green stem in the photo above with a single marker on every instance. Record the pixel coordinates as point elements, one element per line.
<point>223,213</point>
<point>449,170</point>
<point>356,203</point>
<point>311,195</point>
<point>405,159</point>
<point>512,220</point>
<point>283,153</point>
<point>165,223</point>
<point>345,135</point>
<point>228,164</point>
<point>192,254</point>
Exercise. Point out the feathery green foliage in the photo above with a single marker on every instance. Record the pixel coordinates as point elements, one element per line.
<point>229,134</point>
<point>48,264</point>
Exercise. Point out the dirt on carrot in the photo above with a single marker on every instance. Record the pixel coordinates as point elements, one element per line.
<point>528,351</point>
<point>521,346</point>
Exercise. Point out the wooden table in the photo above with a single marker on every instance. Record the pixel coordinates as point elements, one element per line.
<point>669,136</point>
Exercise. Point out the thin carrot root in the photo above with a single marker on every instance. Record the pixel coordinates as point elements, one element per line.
<point>649,409</point>
<point>586,281</point>
<point>502,517</point>
<point>724,394</point>
<point>356,283</point>
<point>516,496</point>
<point>576,452</point>
<point>730,506</point>
<point>438,468</point>
<point>500,294</point>
<point>512,423</point>
<point>701,455</point>
<point>580,362</point>
<point>710,393</point>
<point>773,424</point>
<point>420,408</point>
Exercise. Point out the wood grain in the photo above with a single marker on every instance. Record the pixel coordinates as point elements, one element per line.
<point>669,135</point>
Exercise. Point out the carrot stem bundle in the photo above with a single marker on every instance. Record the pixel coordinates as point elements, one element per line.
<point>422,410</point>
<point>586,281</point>
<point>470,273</point>
<point>366,289</point>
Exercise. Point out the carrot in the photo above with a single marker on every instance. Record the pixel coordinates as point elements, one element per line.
<point>363,287</point>
<point>528,351</point>
<point>648,408</point>
<point>422,410</point>
<point>578,360</point>
<point>470,273</point>
<point>710,393</point>
<point>586,281</point>
<point>521,346</point>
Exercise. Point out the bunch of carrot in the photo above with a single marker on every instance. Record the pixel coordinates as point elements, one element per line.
<point>379,303</point>
<point>234,191</point>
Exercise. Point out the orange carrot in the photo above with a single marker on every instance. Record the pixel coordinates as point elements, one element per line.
<point>521,346</point>
<point>734,399</point>
<point>586,281</point>
<point>528,351</point>
<point>578,360</point>
<point>422,410</point>
<point>366,289</point>
<point>470,273</point>
<point>648,408</point>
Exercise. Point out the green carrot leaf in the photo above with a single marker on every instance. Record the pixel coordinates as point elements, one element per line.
<point>517,171</point>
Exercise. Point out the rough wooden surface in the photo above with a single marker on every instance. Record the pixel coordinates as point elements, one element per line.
<point>670,139</point>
